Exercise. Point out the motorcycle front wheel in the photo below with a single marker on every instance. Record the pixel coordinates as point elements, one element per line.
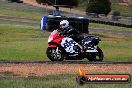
<point>55,54</point>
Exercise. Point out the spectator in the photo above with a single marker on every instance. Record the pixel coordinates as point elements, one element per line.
<point>57,11</point>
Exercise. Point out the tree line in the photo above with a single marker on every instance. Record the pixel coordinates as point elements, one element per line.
<point>59,2</point>
<point>93,6</point>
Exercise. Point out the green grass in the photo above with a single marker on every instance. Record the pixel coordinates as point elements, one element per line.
<point>124,10</point>
<point>116,48</point>
<point>29,43</point>
<point>108,27</point>
<point>21,42</point>
<point>17,13</point>
<point>54,81</point>
<point>20,20</point>
<point>21,10</point>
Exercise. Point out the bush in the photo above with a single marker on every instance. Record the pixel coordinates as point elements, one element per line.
<point>99,6</point>
<point>41,1</point>
<point>131,6</point>
<point>116,13</point>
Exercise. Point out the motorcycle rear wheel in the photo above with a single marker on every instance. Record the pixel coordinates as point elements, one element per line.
<point>99,56</point>
<point>55,55</point>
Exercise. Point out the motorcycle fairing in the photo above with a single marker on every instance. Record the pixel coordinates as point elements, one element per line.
<point>54,39</point>
<point>68,44</point>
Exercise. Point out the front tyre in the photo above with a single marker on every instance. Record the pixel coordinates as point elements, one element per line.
<point>55,54</point>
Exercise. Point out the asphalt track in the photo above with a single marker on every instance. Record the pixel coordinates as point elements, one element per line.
<point>62,62</point>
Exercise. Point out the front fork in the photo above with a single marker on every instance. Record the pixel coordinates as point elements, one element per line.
<point>57,50</point>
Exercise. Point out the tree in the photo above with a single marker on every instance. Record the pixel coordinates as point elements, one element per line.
<point>41,1</point>
<point>130,4</point>
<point>59,2</point>
<point>99,6</point>
<point>17,1</point>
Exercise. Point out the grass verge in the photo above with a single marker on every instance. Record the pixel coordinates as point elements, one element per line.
<point>124,10</point>
<point>21,10</point>
<point>116,48</point>
<point>22,42</point>
<point>54,81</point>
<point>28,43</point>
<point>108,27</point>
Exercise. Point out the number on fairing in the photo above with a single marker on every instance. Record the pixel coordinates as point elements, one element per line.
<point>69,43</point>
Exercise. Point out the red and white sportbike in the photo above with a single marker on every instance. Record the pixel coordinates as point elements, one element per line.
<point>61,48</point>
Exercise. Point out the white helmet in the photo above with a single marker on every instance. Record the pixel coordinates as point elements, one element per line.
<point>64,24</point>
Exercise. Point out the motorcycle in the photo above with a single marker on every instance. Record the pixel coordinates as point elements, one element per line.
<point>65,48</point>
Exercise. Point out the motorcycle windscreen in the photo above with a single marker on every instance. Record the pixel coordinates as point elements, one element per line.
<point>54,37</point>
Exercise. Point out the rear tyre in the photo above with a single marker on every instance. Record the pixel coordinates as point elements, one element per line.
<point>55,54</point>
<point>100,54</point>
<point>96,56</point>
<point>91,57</point>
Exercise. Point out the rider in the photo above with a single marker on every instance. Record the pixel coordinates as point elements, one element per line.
<point>69,31</point>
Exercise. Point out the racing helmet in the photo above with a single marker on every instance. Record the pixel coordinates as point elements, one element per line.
<point>64,24</point>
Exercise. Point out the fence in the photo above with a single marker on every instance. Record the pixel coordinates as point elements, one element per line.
<point>111,20</point>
